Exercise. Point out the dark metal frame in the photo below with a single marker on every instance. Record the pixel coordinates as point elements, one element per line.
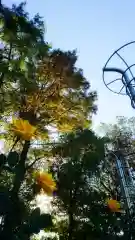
<point>128,83</point>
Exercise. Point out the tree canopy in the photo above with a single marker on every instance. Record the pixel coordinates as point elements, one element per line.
<point>81,203</point>
<point>48,88</point>
<point>42,92</point>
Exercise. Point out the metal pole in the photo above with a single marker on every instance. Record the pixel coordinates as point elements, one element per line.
<point>121,162</point>
<point>123,182</point>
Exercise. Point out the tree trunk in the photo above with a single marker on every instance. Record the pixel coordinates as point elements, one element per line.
<point>10,222</point>
<point>20,174</point>
<point>71,212</point>
<point>71,226</point>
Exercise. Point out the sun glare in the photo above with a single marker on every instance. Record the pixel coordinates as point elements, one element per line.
<point>44,202</point>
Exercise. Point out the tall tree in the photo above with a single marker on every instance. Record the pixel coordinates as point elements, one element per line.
<point>81,196</point>
<point>48,88</point>
<point>41,87</point>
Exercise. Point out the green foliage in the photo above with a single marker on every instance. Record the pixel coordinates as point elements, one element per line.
<point>44,86</point>
<point>81,198</point>
<point>38,221</point>
<point>2,159</point>
<point>121,142</point>
<point>14,209</point>
<point>62,96</point>
<point>5,202</point>
<point>13,159</point>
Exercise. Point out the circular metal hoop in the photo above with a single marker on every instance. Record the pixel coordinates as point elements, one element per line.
<point>127,70</point>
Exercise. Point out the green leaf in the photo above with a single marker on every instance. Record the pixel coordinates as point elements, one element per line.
<point>13,159</point>
<point>38,222</point>
<point>35,214</point>
<point>2,159</point>
<point>5,203</point>
<point>22,64</point>
<point>45,221</point>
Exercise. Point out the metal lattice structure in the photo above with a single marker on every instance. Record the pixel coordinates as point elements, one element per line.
<point>125,73</point>
<point>122,81</point>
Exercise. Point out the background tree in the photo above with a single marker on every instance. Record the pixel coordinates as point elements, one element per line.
<point>81,203</point>
<point>121,138</point>
<point>121,135</point>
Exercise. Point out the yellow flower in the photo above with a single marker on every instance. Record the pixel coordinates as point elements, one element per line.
<point>46,182</point>
<point>23,129</point>
<point>114,205</point>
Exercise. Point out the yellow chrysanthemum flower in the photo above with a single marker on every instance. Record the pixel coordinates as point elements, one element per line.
<point>46,182</point>
<point>23,129</point>
<point>114,205</point>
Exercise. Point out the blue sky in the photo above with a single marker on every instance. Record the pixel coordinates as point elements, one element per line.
<point>95,28</point>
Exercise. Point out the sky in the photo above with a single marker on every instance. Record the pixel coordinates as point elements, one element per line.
<point>95,28</point>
